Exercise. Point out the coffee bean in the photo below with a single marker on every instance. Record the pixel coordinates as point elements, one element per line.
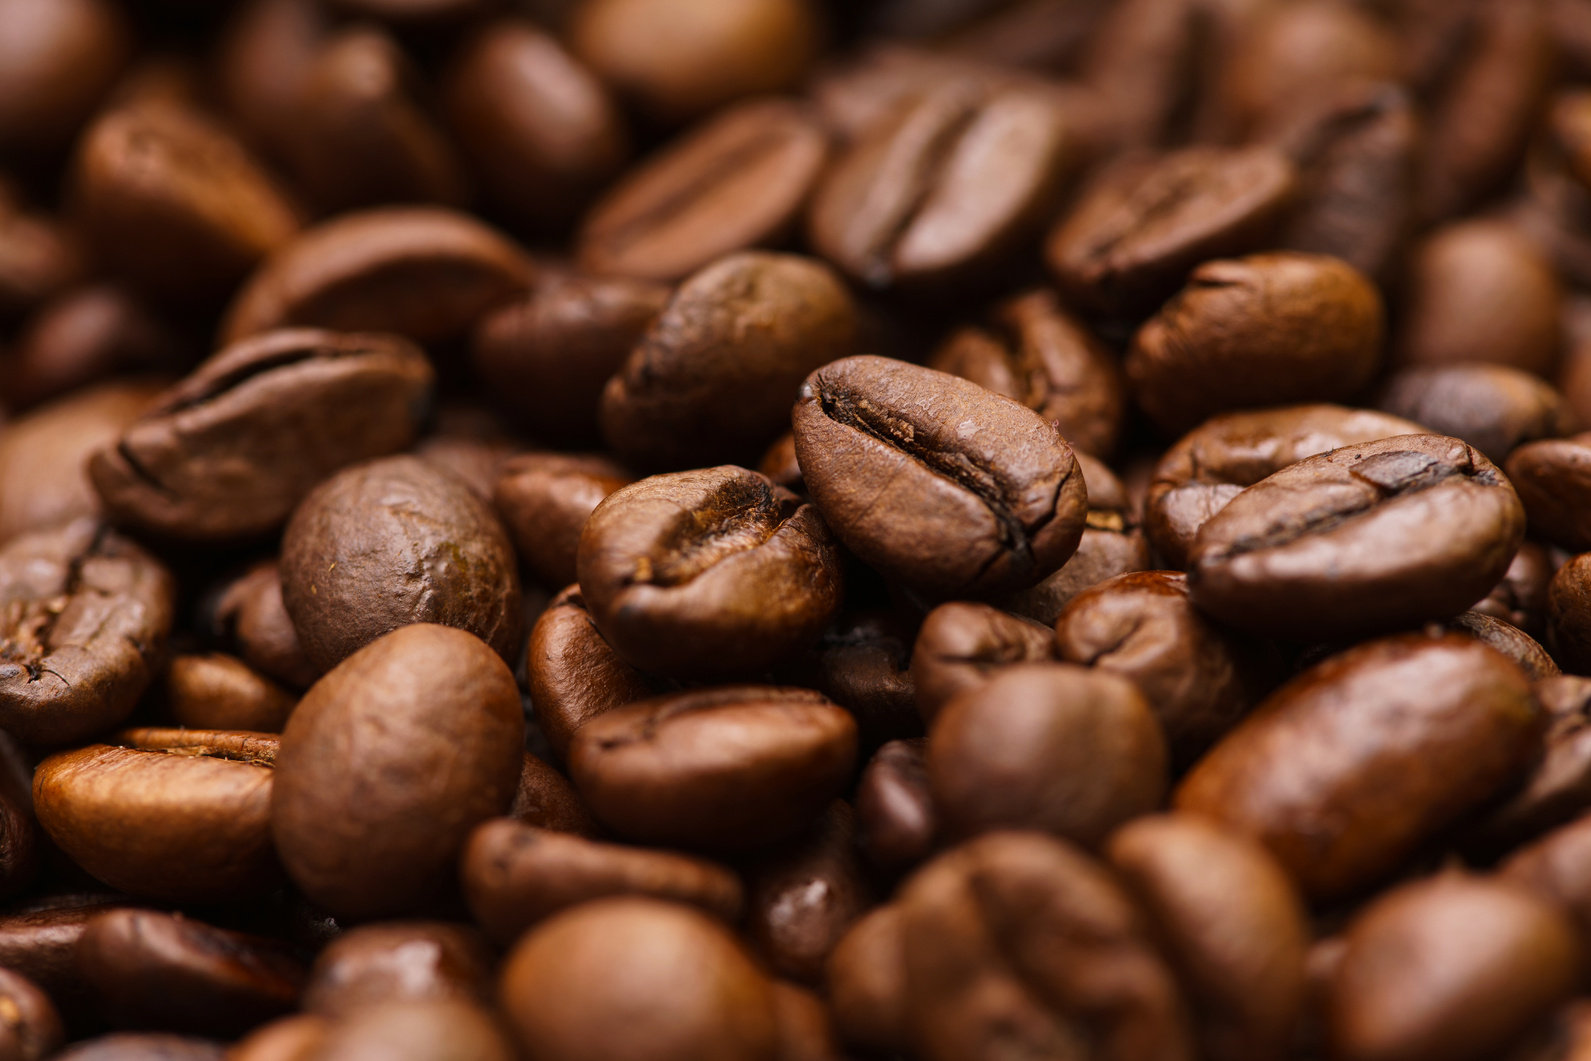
<point>399,961</point>
<point>1335,772</point>
<point>60,58</point>
<point>936,482</point>
<point>1552,478</point>
<point>429,1030</point>
<point>779,464</point>
<point>1506,639</point>
<point>19,841</point>
<point>708,572</point>
<point>1557,867</point>
<point>426,703</point>
<point>731,767</point>
<point>962,645</point>
<point>1492,407</point>
<point>895,816</point>
<point>866,981</point>
<point>863,663</point>
<point>250,613</point>
<point>42,946</point>
<point>30,1028</point>
<point>396,541</point>
<point>263,57</point>
<point>144,1046</point>
<point>545,499</point>
<point>545,799</point>
<point>516,876</point>
<point>284,1039</point>
<point>83,336</point>
<point>1557,787</point>
<point>806,1033</point>
<point>217,691</point>
<point>1569,615</point>
<point>40,258</point>
<point>1521,596</point>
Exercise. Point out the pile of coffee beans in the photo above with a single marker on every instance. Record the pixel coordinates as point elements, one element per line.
<point>795,530</point>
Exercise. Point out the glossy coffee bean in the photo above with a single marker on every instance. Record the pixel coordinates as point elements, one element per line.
<point>574,673</point>
<point>86,613</point>
<point>1332,772</point>
<point>863,663</point>
<point>169,813</point>
<point>546,799</point>
<point>1492,407</point>
<point>249,613</point>
<point>429,704</point>
<point>516,876</point>
<point>83,336</point>
<point>1557,867</point>
<point>230,450</point>
<point>1506,639</point>
<point>713,378</point>
<point>728,767</point>
<point>165,971</point>
<point>865,978</point>
<point>217,691</point>
<point>42,946</point>
<point>962,645</point>
<point>936,482</point>
<point>30,1028</point>
<point>895,816</point>
<point>1553,478</point>
<point>739,180</point>
<point>564,1003</point>
<point>1046,746</point>
<point>59,60</point>
<point>429,1030</point>
<point>545,499</point>
<point>399,961</point>
<point>708,572</point>
<point>396,541</point>
<point>1390,532</point>
<point>1559,784</point>
<point>1263,330</point>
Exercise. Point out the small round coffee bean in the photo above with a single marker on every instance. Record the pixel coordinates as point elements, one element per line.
<point>545,500</point>
<point>865,978</point>
<point>863,663</point>
<point>249,612</point>
<point>895,817</point>
<point>40,258</point>
<point>1553,478</point>
<point>1492,407</point>
<point>429,704</point>
<point>30,1028</point>
<point>399,961</point>
<point>217,691</point>
<point>961,645</point>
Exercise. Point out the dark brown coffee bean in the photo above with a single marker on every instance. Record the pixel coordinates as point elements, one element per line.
<point>680,59</point>
<point>1557,867</point>
<point>165,971</point>
<point>1199,678</point>
<point>1492,407</point>
<point>548,356</point>
<point>39,258</point>
<point>1262,330</point>
<point>546,799</point>
<point>1506,639</point>
<point>779,464</point>
<point>229,451</point>
<point>981,985</point>
<point>42,946</point>
<point>471,443</point>
<point>1553,478</point>
<point>935,481</point>
<point>399,961</point>
<point>1049,361</point>
<point>1480,291</point>
<point>144,1046</point>
<point>428,704</point>
<point>43,478</point>
<point>19,832</point>
<point>740,180</point>
<point>1559,785</point>
<point>574,673</point>
<point>174,204</point>
<point>1333,772</point>
<point>952,182</point>
<point>250,613</point>
<point>82,337</point>
<point>1364,538</point>
<point>866,983</point>
<point>1143,225</point>
<point>30,1028</point>
<point>516,876</point>
<point>708,572</point>
<point>563,1002</point>
<point>806,1031</point>
<point>1216,461</point>
<point>1521,596</point>
<point>863,663</point>
<point>86,616</point>
<point>263,56</point>
<point>802,897</point>
<point>1454,967</point>
<point>962,645</point>
<point>217,691</point>
<point>895,817</point>
<point>1569,615</point>
<point>541,130</point>
<point>729,767</point>
<point>1047,746</point>
<point>423,272</point>
<point>1235,928</point>
<point>714,376</point>
<point>392,542</point>
<point>545,499</point>
<point>59,60</point>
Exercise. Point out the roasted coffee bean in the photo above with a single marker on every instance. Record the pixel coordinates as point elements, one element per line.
<point>472,443</point>
<point>802,897</point>
<point>292,1038</point>
<point>165,971</point>
<point>169,813</point>
<point>545,799</point>
<point>865,978</point>
<point>217,691</point>
<point>1364,538</point>
<point>779,464</point>
<point>545,499</point>
<point>1046,746</point>
<point>548,356</point>
<point>1559,785</point>
<point>994,935</point>
<point>59,60</point>
<point>250,613</point>
<point>1049,361</point>
<point>714,376</point>
<point>1569,126</point>
<point>680,59</point>
<point>1453,967</point>
<point>1480,291</point>
<point>943,189</point>
<point>708,572</point>
<point>1492,407</point>
<point>1216,461</point>
<point>392,542</point>
<point>1235,928</point>
<point>263,56</point>
<point>230,450</point>
<point>728,767</point>
<point>399,961</point>
<point>19,832</point>
<point>936,482</point>
<point>895,817</point>
<point>1199,678</point>
<point>740,180</point>
<point>863,663</point>
<point>574,673</point>
<point>1337,772</point>
<point>428,704</point>
<point>516,876</point>
<point>1557,867</point>
<point>42,946</point>
<point>82,337</point>
<point>1569,615</point>
<point>1553,478</point>
<point>39,258</point>
<point>87,613</point>
<point>423,272</point>
<point>1263,330</point>
<point>144,1046</point>
<point>30,1028</point>
<point>564,1003</point>
<point>1521,597</point>
<point>1143,225</point>
<point>962,645</point>
<point>429,1030</point>
<point>1506,639</point>
<point>806,1032</point>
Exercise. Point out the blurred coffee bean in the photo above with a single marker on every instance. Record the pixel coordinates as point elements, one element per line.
<point>42,946</point>
<point>863,663</point>
<point>962,645</point>
<point>58,59</point>
<point>1559,785</point>
<point>427,1030</point>
<point>144,1046</point>
<point>1492,407</point>
<point>574,674</point>
<point>546,799</point>
<point>1569,615</point>
<point>895,816</point>
<point>217,691</point>
<point>30,1028</point>
<point>39,257</point>
<point>1521,596</point>
<point>399,961</point>
<point>865,978</point>
<point>263,57</point>
<point>290,1038</point>
<point>82,337</point>
<point>1553,478</point>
